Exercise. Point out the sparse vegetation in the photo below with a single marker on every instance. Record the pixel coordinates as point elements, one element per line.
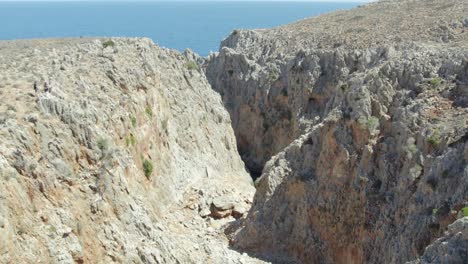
<point>344,87</point>
<point>436,82</point>
<point>412,148</point>
<point>134,121</point>
<point>272,76</point>
<point>149,111</point>
<point>130,140</point>
<point>434,139</point>
<point>372,123</point>
<point>108,43</point>
<point>147,168</point>
<point>191,65</point>
<point>464,211</point>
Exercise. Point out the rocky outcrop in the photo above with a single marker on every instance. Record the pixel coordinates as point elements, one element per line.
<point>119,161</point>
<point>361,119</point>
<point>451,248</point>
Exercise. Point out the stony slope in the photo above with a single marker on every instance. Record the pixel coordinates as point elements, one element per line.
<point>73,187</point>
<point>361,118</point>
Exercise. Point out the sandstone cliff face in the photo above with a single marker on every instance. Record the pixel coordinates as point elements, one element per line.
<point>361,119</point>
<point>119,161</point>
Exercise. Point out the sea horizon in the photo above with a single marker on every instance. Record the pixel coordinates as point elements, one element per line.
<point>196,25</point>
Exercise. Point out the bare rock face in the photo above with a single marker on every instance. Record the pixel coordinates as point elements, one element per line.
<point>358,124</point>
<point>117,159</point>
<point>451,248</point>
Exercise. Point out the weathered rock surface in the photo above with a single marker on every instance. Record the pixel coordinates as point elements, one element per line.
<point>451,248</point>
<point>116,162</point>
<point>361,118</point>
<point>355,124</point>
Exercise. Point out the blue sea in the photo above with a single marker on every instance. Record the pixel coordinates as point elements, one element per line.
<point>177,25</point>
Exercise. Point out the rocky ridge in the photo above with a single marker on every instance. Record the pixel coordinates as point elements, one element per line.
<point>128,158</point>
<point>356,124</point>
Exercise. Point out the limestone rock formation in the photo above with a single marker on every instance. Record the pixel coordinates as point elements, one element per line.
<point>354,125</point>
<point>357,122</point>
<point>118,160</point>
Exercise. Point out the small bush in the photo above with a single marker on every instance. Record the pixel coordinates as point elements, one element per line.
<point>134,121</point>
<point>372,123</point>
<point>412,148</point>
<point>108,43</point>
<point>191,65</point>
<point>435,139</point>
<point>464,211</point>
<point>436,81</point>
<point>147,168</point>
<point>273,76</point>
<point>131,140</point>
<point>149,111</point>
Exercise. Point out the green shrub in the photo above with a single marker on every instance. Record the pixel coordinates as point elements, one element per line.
<point>436,81</point>
<point>149,111</point>
<point>108,43</point>
<point>134,121</point>
<point>191,65</point>
<point>147,168</point>
<point>412,148</point>
<point>434,139</point>
<point>273,76</point>
<point>130,140</point>
<point>464,211</point>
<point>372,123</point>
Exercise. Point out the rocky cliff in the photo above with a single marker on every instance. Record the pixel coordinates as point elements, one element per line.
<point>357,124</point>
<point>128,157</point>
<point>353,124</point>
